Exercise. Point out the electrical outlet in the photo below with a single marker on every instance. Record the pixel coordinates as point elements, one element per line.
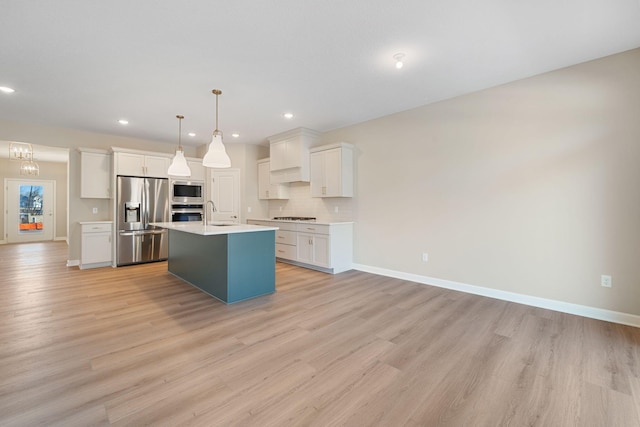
<point>249,209</point>
<point>335,209</point>
<point>95,210</point>
<point>425,257</point>
<point>605,281</point>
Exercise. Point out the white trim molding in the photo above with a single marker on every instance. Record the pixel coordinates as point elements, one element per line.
<point>73,262</point>
<point>561,306</point>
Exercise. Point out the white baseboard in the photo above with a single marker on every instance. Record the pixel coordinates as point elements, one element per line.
<point>73,262</point>
<point>62,238</point>
<point>564,307</point>
<point>3,242</point>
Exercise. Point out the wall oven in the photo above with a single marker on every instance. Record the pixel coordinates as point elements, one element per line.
<point>187,192</point>
<point>186,212</point>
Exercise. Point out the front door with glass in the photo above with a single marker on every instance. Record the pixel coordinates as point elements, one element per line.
<point>30,207</point>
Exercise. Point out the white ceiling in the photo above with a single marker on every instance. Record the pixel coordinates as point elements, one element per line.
<point>86,64</point>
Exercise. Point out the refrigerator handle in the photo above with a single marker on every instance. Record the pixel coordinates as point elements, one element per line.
<point>145,202</point>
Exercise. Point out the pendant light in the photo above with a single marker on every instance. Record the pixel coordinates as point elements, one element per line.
<point>216,156</point>
<point>179,165</point>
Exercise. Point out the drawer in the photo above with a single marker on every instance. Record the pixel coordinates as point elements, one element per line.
<point>313,228</point>
<point>286,237</point>
<point>263,223</point>
<point>96,228</point>
<point>289,226</point>
<point>286,251</point>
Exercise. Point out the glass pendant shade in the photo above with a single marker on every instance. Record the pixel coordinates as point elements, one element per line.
<point>179,165</point>
<point>29,167</point>
<point>216,156</point>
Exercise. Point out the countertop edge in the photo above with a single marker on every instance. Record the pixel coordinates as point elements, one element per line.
<point>211,230</point>
<point>302,222</point>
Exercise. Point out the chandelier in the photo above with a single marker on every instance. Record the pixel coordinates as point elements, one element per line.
<point>20,151</point>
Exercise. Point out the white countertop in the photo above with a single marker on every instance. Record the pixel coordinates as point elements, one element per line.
<point>212,228</point>
<point>301,222</point>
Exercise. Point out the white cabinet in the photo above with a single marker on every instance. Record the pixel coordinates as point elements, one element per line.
<point>95,174</point>
<point>332,170</point>
<point>289,154</point>
<point>286,240</point>
<point>314,249</point>
<point>323,247</point>
<point>96,245</point>
<point>134,164</point>
<point>267,190</point>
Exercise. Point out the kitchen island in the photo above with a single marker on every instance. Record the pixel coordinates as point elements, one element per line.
<point>230,262</point>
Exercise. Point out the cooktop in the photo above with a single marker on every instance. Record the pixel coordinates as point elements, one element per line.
<point>294,218</point>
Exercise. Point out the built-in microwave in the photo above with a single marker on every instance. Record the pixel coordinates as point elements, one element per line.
<point>187,192</point>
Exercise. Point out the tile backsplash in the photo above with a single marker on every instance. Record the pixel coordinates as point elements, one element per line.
<point>301,203</point>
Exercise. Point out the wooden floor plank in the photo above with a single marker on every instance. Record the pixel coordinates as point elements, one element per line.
<point>137,346</point>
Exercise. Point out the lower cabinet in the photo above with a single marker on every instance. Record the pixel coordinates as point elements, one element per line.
<point>314,249</point>
<point>96,244</point>
<point>323,247</point>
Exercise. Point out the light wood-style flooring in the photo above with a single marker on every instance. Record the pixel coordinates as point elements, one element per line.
<point>136,346</point>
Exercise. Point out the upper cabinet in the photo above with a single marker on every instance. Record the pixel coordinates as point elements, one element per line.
<point>267,190</point>
<point>95,173</point>
<point>133,163</point>
<point>289,153</point>
<point>332,170</point>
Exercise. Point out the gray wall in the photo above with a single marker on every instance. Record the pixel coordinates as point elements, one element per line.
<point>529,187</point>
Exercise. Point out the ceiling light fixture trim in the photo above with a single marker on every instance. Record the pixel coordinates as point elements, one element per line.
<point>399,57</point>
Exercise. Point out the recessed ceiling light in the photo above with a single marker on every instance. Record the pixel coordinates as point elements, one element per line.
<point>399,57</point>
<point>288,115</point>
<point>123,122</point>
<point>6,89</point>
<point>192,134</point>
<point>235,135</point>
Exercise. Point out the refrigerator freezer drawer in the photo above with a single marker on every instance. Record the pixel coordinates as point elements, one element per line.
<point>142,246</point>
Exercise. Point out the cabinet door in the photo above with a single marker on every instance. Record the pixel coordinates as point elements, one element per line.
<point>95,175</point>
<point>305,248</point>
<point>318,182</point>
<point>333,172</point>
<point>264,173</point>
<point>157,167</point>
<point>96,247</point>
<point>130,164</point>
<point>321,248</point>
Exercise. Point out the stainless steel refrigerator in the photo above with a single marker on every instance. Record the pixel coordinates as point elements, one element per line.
<point>142,201</point>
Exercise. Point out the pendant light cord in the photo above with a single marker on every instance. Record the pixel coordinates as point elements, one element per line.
<point>217,92</point>
<point>179,117</point>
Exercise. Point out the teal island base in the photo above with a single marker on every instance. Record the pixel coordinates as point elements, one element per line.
<point>230,267</point>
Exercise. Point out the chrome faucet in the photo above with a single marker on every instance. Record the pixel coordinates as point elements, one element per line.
<point>206,208</point>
